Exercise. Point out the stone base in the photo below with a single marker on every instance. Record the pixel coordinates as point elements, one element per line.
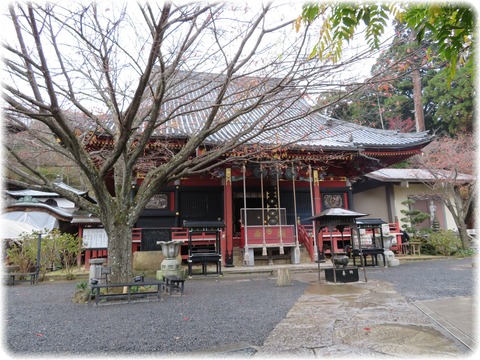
<point>283,278</point>
<point>180,273</point>
<point>147,260</point>
<point>171,267</point>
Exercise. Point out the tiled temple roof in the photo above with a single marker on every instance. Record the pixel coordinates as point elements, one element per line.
<point>286,117</point>
<point>309,129</point>
<point>418,175</point>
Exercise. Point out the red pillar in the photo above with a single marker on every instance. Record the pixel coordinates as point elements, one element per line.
<point>316,192</point>
<point>317,201</point>
<point>227,253</point>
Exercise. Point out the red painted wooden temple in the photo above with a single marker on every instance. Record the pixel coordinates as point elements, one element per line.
<point>263,201</point>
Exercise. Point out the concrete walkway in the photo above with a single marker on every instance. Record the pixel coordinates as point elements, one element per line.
<point>456,315</point>
<point>366,319</point>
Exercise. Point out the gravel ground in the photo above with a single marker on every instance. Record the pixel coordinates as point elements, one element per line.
<point>428,280</point>
<point>232,311</point>
<point>42,319</point>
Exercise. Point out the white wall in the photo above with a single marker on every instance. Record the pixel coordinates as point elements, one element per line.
<point>402,193</point>
<point>372,202</point>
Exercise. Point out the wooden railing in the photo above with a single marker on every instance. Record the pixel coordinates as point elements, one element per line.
<point>305,237</point>
<point>182,234</point>
<point>268,235</point>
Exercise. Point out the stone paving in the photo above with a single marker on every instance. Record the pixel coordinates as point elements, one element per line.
<point>356,319</point>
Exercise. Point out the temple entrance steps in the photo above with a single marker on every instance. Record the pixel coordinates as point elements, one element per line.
<point>273,256</point>
<point>304,255</point>
<point>237,256</point>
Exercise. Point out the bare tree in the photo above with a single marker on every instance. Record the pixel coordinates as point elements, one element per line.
<point>109,88</point>
<point>451,161</point>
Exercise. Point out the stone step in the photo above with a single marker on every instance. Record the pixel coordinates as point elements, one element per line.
<point>276,259</point>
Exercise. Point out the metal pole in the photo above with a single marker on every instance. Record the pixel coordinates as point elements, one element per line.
<point>361,252</point>
<point>37,267</point>
<point>279,210</point>
<point>297,223</point>
<point>315,245</point>
<point>295,205</point>
<point>246,255</point>
<point>264,249</point>
<point>318,263</point>
<point>330,229</point>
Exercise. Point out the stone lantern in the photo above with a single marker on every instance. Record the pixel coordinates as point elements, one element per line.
<point>170,265</point>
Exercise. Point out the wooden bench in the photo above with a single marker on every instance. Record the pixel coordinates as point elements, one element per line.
<point>160,285</point>
<point>12,278</point>
<point>174,283</point>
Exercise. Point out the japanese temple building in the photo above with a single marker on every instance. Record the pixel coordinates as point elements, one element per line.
<point>264,201</point>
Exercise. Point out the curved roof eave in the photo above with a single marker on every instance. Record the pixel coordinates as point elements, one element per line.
<point>25,205</point>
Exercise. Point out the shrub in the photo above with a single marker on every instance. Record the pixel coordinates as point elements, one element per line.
<point>445,242</point>
<point>466,252</point>
<point>63,249</point>
<point>24,252</point>
<point>82,285</point>
<point>56,249</point>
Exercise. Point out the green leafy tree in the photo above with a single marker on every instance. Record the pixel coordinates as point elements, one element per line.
<point>403,67</point>
<point>451,26</point>
<point>24,252</point>
<point>61,249</point>
<point>412,217</point>
<point>452,107</point>
<point>390,103</point>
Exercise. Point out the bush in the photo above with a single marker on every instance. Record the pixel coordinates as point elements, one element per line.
<point>445,242</point>
<point>63,249</point>
<point>24,255</point>
<point>82,285</point>
<point>466,252</point>
<point>56,249</point>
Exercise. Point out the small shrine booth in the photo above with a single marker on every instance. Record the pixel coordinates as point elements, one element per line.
<point>338,219</point>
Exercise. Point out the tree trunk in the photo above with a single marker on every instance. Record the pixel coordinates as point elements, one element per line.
<point>462,231</point>
<point>417,100</point>
<point>457,210</point>
<point>460,218</point>
<point>119,251</point>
